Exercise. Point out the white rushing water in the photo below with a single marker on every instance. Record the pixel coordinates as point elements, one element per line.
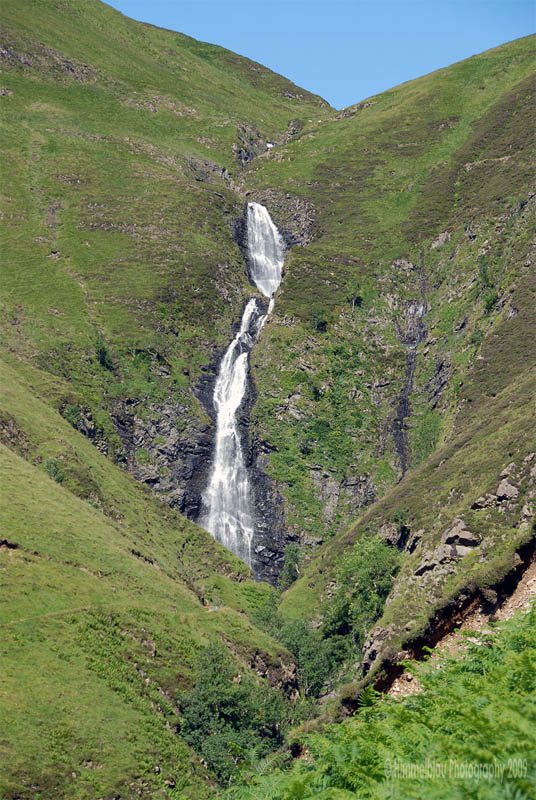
<point>227,511</point>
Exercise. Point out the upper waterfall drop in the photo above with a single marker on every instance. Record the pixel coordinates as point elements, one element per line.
<point>227,509</point>
<point>266,250</point>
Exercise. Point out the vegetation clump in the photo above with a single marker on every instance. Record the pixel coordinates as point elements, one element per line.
<point>471,732</point>
<point>228,714</point>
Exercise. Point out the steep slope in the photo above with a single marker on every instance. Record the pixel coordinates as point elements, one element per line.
<point>404,329</point>
<point>428,745</point>
<point>410,202</point>
<point>104,615</point>
<point>122,275</point>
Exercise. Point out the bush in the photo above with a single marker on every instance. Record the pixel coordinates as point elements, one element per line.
<point>364,580</point>
<point>142,457</point>
<point>54,470</point>
<point>72,414</point>
<point>477,337</point>
<point>490,300</point>
<point>319,318</point>
<point>292,565</point>
<point>474,723</point>
<point>104,357</point>
<point>317,658</point>
<point>227,714</point>
<point>354,296</point>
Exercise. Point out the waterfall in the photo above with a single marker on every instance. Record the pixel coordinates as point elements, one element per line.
<point>227,511</point>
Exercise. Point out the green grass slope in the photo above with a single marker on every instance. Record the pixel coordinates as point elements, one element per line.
<point>419,199</point>
<point>117,207</point>
<point>493,439</point>
<point>403,336</point>
<point>103,618</point>
<point>396,372</point>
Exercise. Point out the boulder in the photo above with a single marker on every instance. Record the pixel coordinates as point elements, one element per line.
<point>459,535</point>
<point>486,501</point>
<point>506,491</point>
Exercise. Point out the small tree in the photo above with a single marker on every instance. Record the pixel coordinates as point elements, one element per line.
<point>319,318</point>
<point>364,580</point>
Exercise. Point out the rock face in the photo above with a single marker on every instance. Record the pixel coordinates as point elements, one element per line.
<point>505,491</point>
<point>294,216</point>
<point>455,543</point>
<point>157,453</point>
<point>271,532</point>
<point>355,491</point>
<point>250,144</point>
<point>278,674</point>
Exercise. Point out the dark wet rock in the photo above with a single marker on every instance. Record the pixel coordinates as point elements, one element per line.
<point>396,535</point>
<point>250,143</point>
<point>413,540</point>
<point>206,171</point>
<point>411,331</point>
<point>271,529</point>
<point>177,462</point>
<point>438,382</point>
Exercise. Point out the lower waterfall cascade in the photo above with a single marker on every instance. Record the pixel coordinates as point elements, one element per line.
<point>227,510</point>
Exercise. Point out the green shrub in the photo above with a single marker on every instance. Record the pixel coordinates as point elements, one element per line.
<point>317,658</point>
<point>354,296</point>
<point>483,272</point>
<point>319,318</point>
<point>227,714</point>
<point>72,414</point>
<point>471,733</point>
<point>142,456</point>
<point>54,470</point>
<point>104,358</point>
<point>291,566</point>
<point>490,300</point>
<point>364,579</point>
<point>477,337</point>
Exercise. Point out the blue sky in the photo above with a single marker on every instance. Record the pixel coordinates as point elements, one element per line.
<point>344,50</point>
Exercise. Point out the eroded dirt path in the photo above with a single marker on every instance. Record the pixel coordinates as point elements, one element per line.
<point>520,600</point>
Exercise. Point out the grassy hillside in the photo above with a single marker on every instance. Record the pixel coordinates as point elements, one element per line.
<point>103,617</point>
<point>120,279</point>
<point>394,384</point>
<point>403,338</point>
<point>121,274</point>
<point>421,230</point>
